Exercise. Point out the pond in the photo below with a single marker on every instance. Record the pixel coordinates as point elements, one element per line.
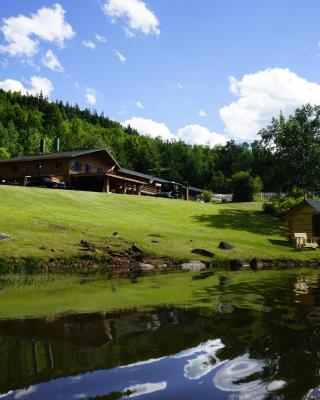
<point>231,336</point>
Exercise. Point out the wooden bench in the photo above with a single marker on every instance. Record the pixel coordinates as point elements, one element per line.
<point>301,242</point>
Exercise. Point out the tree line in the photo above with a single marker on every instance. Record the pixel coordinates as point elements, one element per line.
<point>287,154</point>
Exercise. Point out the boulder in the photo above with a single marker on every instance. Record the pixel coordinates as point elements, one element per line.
<point>193,266</point>
<point>203,252</point>
<point>237,265</point>
<point>4,236</point>
<point>146,267</point>
<point>225,246</point>
<point>256,264</point>
<point>135,249</point>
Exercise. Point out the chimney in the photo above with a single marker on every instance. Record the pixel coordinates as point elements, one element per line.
<point>57,144</point>
<point>42,145</point>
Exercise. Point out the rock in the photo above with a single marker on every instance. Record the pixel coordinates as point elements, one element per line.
<point>116,234</point>
<point>256,264</point>
<point>225,246</point>
<point>155,241</point>
<point>146,267</point>
<point>237,265</point>
<point>203,252</point>
<point>4,236</point>
<point>193,266</point>
<point>135,249</point>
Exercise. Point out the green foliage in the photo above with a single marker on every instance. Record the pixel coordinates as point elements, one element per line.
<point>4,154</point>
<point>206,196</point>
<point>243,186</point>
<point>279,207</point>
<point>257,185</point>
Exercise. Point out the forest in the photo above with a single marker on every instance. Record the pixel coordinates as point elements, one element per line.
<point>286,155</point>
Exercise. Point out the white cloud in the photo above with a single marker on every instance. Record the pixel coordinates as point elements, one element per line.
<point>121,57</point>
<point>137,15</point>
<point>50,60</point>
<point>88,44</point>
<point>202,114</point>
<point>179,85</point>
<point>138,104</point>
<point>192,134</point>
<point>197,134</point>
<point>128,32</point>
<point>22,33</point>
<point>261,96</point>
<point>37,84</point>
<point>150,128</point>
<point>91,96</point>
<point>100,38</point>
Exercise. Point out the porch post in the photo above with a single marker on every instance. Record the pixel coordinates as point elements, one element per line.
<point>124,187</point>
<point>106,184</point>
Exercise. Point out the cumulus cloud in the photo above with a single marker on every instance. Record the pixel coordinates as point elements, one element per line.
<point>137,15</point>
<point>202,114</point>
<point>261,96</point>
<point>121,57</point>
<point>91,96</point>
<point>192,134</point>
<point>197,134</point>
<point>37,84</point>
<point>138,104</point>
<point>150,128</point>
<point>51,61</point>
<point>88,44</point>
<point>100,38</point>
<point>22,33</point>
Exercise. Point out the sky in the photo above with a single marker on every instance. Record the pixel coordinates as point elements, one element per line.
<point>204,71</point>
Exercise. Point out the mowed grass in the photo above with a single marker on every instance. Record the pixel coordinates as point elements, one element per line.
<point>46,223</point>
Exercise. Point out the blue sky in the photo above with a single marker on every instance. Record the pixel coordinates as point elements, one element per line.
<point>201,70</point>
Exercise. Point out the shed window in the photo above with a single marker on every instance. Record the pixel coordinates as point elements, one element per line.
<point>316,225</point>
<point>76,166</point>
<point>88,168</point>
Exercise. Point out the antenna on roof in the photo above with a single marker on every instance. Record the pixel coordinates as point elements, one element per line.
<point>42,145</point>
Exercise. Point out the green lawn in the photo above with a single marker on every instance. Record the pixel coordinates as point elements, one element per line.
<point>46,223</point>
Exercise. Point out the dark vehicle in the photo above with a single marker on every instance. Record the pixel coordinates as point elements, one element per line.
<point>171,190</point>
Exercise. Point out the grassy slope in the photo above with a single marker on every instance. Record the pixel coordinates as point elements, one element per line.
<point>39,220</point>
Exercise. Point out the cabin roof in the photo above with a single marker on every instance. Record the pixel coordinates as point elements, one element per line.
<point>54,155</point>
<point>146,176</point>
<point>315,204</point>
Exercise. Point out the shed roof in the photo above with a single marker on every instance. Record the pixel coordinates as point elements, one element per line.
<point>54,155</point>
<point>314,204</point>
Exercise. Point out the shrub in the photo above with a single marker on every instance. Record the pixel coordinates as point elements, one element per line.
<point>206,196</point>
<point>243,186</point>
<point>280,207</point>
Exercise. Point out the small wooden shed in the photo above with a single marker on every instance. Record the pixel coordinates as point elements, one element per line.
<point>304,218</point>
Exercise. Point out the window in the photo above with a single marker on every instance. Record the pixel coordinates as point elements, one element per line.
<point>58,164</point>
<point>14,168</point>
<point>99,170</point>
<point>88,168</point>
<point>76,166</point>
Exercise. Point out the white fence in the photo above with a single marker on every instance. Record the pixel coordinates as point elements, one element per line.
<point>228,197</point>
<point>222,197</point>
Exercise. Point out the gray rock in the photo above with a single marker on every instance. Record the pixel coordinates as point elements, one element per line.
<point>4,236</point>
<point>193,266</point>
<point>237,265</point>
<point>146,267</point>
<point>203,252</point>
<point>225,246</point>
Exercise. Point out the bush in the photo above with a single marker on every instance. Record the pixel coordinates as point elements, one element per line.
<point>257,185</point>
<point>243,186</point>
<point>206,196</point>
<point>280,207</point>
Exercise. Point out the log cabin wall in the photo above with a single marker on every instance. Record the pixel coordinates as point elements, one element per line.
<point>97,163</point>
<point>300,221</point>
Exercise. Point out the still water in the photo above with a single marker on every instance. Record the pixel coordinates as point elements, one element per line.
<point>229,344</point>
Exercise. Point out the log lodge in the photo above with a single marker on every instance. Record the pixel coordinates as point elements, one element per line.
<point>89,170</point>
<point>304,218</point>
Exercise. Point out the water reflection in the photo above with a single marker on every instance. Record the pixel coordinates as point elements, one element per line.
<point>267,351</point>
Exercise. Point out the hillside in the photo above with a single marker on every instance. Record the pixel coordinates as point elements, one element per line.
<point>48,224</point>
